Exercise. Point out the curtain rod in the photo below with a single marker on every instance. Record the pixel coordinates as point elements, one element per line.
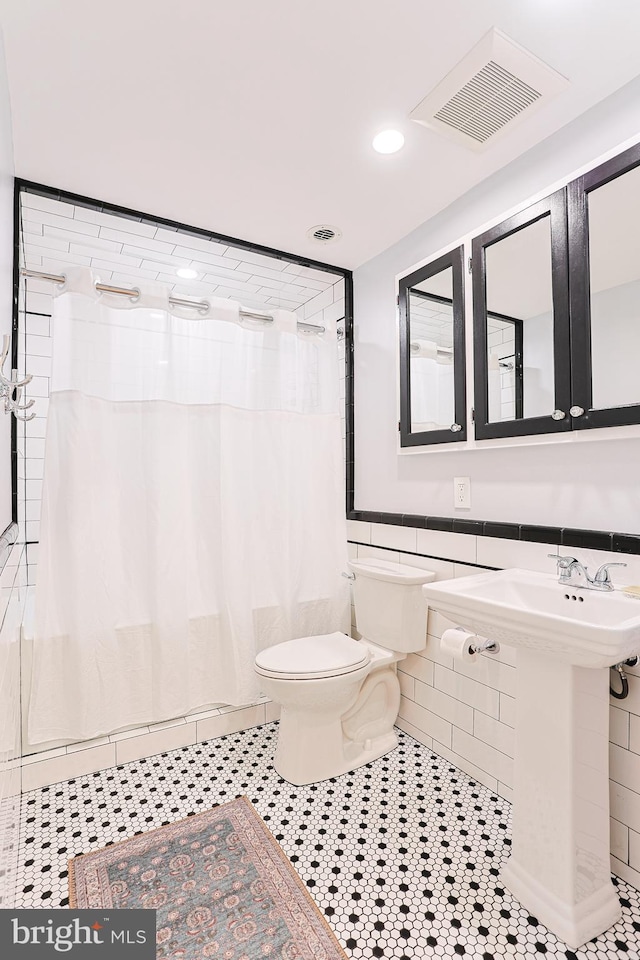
<point>201,305</point>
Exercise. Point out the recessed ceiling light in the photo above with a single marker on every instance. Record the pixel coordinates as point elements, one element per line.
<point>388,141</point>
<point>187,273</point>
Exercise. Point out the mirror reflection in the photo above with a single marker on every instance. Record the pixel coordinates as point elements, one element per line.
<point>614,275</point>
<point>430,310</point>
<point>504,360</point>
<point>520,345</point>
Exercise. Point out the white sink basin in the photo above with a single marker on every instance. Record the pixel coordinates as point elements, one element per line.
<point>585,628</point>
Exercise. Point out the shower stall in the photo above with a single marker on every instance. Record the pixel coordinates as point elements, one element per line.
<point>180,473</point>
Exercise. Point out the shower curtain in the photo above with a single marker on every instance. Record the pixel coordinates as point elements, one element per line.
<point>192,507</point>
<point>432,392</point>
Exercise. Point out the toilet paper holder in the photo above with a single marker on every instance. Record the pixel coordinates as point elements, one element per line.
<point>485,646</point>
<point>463,644</point>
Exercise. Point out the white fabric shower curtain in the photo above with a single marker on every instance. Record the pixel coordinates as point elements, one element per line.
<point>192,508</point>
<point>432,392</point>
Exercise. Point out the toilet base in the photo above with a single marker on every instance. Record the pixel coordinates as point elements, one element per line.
<point>331,725</point>
<point>372,750</point>
<point>355,755</point>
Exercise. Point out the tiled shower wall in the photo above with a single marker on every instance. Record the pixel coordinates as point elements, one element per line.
<point>13,579</point>
<point>466,713</point>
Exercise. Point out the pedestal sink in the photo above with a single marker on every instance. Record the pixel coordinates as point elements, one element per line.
<point>566,639</point>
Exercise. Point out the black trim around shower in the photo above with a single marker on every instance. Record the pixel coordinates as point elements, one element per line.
<point>14,347</point>
<point>126,213</point>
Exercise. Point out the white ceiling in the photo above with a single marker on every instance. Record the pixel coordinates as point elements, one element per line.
<point>254,118</point>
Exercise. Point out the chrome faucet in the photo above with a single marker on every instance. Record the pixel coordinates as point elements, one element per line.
<point>575,574</point>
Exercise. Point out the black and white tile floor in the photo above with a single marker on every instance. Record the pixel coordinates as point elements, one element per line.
<point>403,855</point>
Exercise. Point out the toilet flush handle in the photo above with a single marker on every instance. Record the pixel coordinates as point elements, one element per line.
<point>348,576</point>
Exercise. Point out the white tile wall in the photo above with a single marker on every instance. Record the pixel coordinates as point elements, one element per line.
<point>57,234</point>
<point>449,546</point>
<point>62,763</point>
<point>467,713</point>
<point>12,599</point>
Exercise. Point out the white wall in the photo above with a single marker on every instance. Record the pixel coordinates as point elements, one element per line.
<point>565,481</point>
<point>615,345</point>
<point>538,372</point>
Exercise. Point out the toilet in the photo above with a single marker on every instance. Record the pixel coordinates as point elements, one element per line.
<point>340,697</point>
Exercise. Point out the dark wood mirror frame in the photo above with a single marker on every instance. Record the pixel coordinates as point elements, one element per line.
<point>581,362</point>
<point>554,207</point>
<point>454,259</point>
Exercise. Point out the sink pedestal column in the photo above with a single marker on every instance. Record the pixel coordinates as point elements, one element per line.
<point>560,868</point>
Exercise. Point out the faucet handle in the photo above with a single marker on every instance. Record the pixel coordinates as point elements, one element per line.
<point>602,573</point>
<point>563,563</point>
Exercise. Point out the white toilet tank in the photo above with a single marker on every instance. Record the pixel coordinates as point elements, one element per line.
<point>390,608</point>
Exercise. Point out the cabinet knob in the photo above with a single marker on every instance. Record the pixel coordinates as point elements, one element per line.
<point>455,428</point>
<point>576,411</point>
<point>558,415</point>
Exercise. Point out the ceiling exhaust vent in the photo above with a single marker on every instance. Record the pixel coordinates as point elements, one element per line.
<point>324,233</point>
<point>497,82</point>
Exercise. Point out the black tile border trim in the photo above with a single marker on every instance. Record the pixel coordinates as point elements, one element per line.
<point>425,556</point>
<point>559,536</point>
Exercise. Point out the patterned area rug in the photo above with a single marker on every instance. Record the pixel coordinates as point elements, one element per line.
<point>221,887</point>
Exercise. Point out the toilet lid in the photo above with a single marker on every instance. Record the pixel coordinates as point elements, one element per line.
<point>307,658</point>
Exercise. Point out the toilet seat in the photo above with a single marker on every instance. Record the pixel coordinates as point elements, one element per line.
<point>313,658</point>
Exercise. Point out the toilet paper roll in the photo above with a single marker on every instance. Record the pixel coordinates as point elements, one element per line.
<point>458,644</point>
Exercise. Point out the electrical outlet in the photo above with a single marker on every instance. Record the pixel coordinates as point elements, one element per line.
<point>461,493</point>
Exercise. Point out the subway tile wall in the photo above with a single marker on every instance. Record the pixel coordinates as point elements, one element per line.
<point>502,350</point>
<point>89,756</point>
<point>466,713</point>
<point>13,579</point>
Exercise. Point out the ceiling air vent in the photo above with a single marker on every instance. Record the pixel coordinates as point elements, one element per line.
<point>324,233</point>
<point>497,82</point>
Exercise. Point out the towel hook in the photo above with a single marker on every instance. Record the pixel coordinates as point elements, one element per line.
<point>11,388</point>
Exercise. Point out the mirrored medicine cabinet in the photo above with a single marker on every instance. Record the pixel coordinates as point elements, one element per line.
<point>556,319</point>
<point>520,271</point>
<point>432,353</point>
<point>604,258</point>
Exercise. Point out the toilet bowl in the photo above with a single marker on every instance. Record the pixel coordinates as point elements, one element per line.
<point>340,697</point>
